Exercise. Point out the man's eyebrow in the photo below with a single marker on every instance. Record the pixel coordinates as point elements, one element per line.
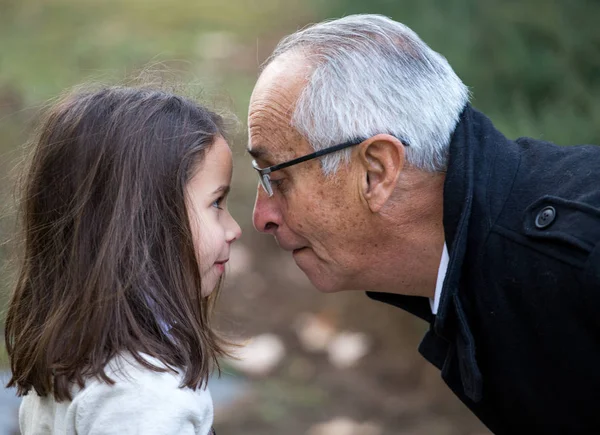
<point>224,189</point>
<point>258,152</point>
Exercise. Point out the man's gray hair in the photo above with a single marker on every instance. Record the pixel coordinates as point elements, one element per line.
<point>373,75</point>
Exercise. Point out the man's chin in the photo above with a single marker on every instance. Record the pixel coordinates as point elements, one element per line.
<point>313,268</point>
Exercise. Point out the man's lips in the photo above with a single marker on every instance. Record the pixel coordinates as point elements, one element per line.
<point>290,246</point>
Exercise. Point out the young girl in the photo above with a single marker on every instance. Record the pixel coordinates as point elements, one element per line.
<point>126,235</point>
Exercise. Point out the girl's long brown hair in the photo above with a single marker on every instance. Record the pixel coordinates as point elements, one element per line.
<point>109,264</point>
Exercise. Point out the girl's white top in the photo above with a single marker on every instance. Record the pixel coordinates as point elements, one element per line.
<point>140,402</point>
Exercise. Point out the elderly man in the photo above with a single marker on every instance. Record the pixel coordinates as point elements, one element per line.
<point>377,174</point>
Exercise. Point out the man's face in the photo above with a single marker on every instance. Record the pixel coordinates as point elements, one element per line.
<point>319,219</point>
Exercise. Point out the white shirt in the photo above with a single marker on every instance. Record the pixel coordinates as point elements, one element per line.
<point>435,302</point>
<point>140,402</point>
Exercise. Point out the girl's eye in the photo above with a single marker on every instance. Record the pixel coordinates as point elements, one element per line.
<point>218,203</point>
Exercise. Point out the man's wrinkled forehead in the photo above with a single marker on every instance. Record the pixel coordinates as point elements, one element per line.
<point>271,136</point>
<point>272,140</point>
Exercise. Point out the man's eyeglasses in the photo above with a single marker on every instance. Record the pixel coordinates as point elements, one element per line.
<point>264,173</point>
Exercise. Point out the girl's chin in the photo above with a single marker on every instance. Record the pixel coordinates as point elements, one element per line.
<point>207,292</point>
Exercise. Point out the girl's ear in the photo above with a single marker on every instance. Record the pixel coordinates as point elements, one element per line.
<point>382,158</point>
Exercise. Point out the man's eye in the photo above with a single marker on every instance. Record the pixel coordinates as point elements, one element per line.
<point>277,183</point>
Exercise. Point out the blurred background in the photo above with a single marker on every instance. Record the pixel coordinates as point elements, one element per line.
<point>314,364</point>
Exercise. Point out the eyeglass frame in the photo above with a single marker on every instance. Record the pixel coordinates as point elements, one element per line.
<point>264,173</point>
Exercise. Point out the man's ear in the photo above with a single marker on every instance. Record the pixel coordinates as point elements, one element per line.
<point>382,158</point>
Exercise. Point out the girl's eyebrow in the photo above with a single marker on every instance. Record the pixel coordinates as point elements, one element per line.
<point>224,189</point>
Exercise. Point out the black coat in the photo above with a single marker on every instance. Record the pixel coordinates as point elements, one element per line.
<point>517,334</point>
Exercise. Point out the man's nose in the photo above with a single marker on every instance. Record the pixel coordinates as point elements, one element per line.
<point>266,216</point>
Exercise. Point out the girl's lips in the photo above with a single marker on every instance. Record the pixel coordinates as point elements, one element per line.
<point>220,265</point>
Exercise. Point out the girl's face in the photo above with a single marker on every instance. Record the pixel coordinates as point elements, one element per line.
<point>213,228</point>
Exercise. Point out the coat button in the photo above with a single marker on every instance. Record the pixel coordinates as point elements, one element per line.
<point>545,217</point>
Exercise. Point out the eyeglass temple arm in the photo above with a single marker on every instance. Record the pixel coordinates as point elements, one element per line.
<point>315,155</point>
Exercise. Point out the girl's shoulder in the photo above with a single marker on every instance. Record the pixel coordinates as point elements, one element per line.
<point>156,399</point>
<point>139,401</point>
<point>132,377</point>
